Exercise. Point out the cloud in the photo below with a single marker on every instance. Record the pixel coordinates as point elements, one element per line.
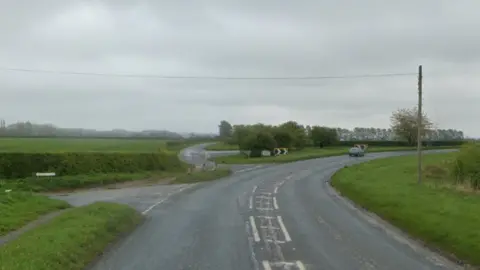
<point>247,39</point>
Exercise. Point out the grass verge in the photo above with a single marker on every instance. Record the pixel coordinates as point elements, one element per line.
<point>19,208</point>
<point>309,153</point>
<point>70,183</point>
<point>71,240</point>
<point>202,176</point>
<point>443,217</point>
<point>61,183</point>
<point>221,146</point>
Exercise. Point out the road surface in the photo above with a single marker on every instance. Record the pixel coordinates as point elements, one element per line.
<point>269,217</point>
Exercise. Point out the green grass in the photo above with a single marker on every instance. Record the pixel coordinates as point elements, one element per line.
<point>221,146</point>
<point>43,145</point>
<point>442,216</point>
<point>43,184</point>
<point>308,153</point>
<point>79,145</point>
<point>71,240</point>
<point>67,183</point>
<point>202,176</point>
<point>19,208</point>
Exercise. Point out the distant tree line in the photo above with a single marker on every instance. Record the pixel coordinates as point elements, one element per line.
<point>293,135</point>
<point>28,129</point>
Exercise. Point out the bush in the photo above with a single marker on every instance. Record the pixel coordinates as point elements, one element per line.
<point>466,167</point>
<point>21,165</point>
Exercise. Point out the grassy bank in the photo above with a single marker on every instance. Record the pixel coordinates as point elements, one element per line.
<point>19,208</point>
<point>221,146</point>
<point>71,240</point>
<point>443,215</point>
<point>309,153</point>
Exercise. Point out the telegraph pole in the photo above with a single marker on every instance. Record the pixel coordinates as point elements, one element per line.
<point>419,124</point>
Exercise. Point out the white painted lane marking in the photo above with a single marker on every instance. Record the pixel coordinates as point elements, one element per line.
<point>164,199</point>
<point>254,189</point>
<point>256,236</point>
<point>251,202</point>
<point>248,169</point>
<point>284,229</point>
<point>275,205</point>
<point>300,265</point>
<point>266,265</point>
<point>275,191</point>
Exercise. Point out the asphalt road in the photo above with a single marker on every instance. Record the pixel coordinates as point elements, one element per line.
<point>269,217</point>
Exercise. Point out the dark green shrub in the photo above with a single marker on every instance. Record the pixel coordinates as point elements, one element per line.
<point>21,165</point>
<point>466,167</point>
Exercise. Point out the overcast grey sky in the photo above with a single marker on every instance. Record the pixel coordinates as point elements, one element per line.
<point>238,39</point>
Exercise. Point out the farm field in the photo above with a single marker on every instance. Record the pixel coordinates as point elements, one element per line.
<point>42,145</point>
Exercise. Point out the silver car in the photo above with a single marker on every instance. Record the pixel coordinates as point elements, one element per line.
<point>356,152</point>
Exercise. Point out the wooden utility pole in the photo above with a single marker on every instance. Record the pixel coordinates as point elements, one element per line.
<point>419,124</point>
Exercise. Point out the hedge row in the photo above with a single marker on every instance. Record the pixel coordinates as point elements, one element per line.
<point>400,143</point>
<point>21,165</point>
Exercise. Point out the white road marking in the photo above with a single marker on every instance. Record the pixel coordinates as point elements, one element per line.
<point>264,209</point>
<point>284,229</point>
<point>300,265</point>
<point>254,189</point>
<point>275,241</point>
<point>251,202</point>
<point>164,199</point>
<point>275,191</point>
<point>266,265</point>
<point>248,169</point>
<point>275,205</point>
<point>266,217</point>
<point>256,236</point>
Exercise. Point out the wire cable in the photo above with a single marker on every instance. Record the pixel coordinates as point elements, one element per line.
<point>206,77</point>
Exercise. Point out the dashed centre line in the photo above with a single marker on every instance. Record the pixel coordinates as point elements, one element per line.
<point>275,204</point>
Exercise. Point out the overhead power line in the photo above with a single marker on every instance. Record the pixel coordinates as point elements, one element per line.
<point>206,77</point>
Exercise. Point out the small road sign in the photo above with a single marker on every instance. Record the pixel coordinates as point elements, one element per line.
<point>39,174</point>
<point>280,151</point>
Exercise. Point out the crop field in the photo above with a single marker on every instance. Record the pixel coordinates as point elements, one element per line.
<point>43,145</point>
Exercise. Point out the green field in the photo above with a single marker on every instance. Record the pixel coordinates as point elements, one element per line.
<point>309,153</point>
<point>42,145</point>
<point>221,146</point>
<point>442,215</point>
<point>71,240</point>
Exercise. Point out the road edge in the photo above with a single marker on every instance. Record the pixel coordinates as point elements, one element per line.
<point>418,246</point>
<point>119,240</point>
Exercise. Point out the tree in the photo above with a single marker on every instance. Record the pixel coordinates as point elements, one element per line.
<point>404,124</point>
<point>225,129</point>
<point>283,137</point>
<point>298,132</point>
<point>323,136</point>
<point>258,141</point>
